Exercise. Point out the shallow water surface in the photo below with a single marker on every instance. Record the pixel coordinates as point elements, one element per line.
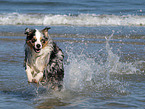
<point>102,72</point>
<point>104,46</point>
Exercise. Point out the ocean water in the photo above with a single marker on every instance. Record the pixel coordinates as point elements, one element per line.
<point>104,46</point>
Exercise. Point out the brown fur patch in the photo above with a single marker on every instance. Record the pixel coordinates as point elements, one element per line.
<point>44,44</point>
<point>30,42</point>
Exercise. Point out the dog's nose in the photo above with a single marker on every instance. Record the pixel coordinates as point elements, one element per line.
<point>38,45</point>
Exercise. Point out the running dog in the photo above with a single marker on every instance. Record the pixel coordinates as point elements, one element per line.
<point>43,59</point>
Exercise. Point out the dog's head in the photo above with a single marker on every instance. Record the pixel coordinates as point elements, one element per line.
<point>37,39</point>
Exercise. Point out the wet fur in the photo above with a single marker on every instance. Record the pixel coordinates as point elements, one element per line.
<point>46,66</point>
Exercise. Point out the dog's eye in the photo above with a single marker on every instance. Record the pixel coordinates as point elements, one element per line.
<point>33,40</point>
<point>43,41</point>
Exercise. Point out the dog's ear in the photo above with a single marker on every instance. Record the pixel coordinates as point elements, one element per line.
<point>27,31</point>
<point>45,31</point>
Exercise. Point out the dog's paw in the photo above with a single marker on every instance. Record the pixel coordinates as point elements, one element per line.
<point>38,77</point>
<point>30,80</point>
<point>34,81</point>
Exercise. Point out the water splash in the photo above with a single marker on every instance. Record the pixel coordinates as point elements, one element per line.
<point>84,74</point>
<point>113,63</point>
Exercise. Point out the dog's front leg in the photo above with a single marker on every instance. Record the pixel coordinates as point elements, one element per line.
<point>29,73</point>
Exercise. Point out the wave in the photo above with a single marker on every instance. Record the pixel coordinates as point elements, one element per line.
<point>73,20</point>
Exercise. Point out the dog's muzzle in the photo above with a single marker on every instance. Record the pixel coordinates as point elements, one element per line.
<point>37,48</point>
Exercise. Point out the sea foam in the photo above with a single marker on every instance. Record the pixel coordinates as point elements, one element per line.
<point>75,20</point>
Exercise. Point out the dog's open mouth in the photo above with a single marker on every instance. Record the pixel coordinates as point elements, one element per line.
<point>37,50</point>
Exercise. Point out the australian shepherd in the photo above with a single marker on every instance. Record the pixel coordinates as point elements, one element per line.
<point>43,59</point>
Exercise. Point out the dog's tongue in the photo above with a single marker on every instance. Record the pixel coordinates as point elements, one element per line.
<point>37,50</point>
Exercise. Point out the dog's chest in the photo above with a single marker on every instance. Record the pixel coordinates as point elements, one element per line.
<point>39,62</point>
